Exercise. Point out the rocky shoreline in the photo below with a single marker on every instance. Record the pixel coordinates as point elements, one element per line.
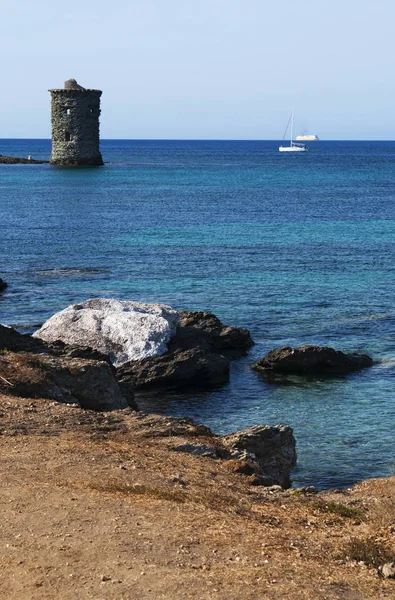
<point>98,353</point>
<point>14,160</point>
<point>80,375</point>
<point>118,496</point>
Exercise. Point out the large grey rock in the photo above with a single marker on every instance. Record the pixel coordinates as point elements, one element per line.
<point>311,359</point>
<point>89,383</point>
<point>269,451</point>
<point>123,330</point>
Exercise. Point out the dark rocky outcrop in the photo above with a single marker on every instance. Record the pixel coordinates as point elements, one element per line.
<point>14,160</point>
<point>62,377</point>
<point>179,368</point>
<point>268,452</point>
<point>89,383</point>
<point>314,360</point>
<point>10,339</point>
<point>205,330</point>
<point>264,453</point>
<point>3,285</point>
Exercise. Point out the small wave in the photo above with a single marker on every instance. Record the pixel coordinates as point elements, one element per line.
<point>364,319</point>
<point>379,317</point>
<point>385,363</point>
<point>71,271</point>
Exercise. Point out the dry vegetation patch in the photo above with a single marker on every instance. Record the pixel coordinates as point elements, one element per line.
<point>368,551</point>
<point>336,508</point>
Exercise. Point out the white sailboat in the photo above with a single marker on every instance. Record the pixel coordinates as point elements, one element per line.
<point>294,146</point>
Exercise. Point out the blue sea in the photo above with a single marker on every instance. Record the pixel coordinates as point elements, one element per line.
<point>298,248</point>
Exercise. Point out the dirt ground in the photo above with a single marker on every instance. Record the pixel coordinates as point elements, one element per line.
<point>99,506</point>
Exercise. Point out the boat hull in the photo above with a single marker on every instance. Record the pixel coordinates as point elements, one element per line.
<point>291,149</point>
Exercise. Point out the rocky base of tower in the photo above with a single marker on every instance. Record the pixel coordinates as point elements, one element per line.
<point>97,161</point>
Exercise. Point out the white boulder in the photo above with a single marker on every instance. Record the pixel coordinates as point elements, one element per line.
<point>124,330</point>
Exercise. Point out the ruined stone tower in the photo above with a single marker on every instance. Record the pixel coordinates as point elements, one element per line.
<point>75,125</point>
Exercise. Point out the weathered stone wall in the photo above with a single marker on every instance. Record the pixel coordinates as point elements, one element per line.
<point>75,127</point>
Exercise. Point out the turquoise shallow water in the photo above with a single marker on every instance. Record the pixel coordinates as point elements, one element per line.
<point>299,249</point>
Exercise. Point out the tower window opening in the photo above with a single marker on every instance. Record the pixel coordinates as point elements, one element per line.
<point>67,136</point>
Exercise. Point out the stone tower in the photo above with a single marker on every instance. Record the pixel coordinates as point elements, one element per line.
<point>75,126</point>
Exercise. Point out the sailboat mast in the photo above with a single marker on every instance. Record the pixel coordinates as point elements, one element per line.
<point>292,125</point>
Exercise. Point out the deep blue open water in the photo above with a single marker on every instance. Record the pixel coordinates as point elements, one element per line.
<point>298,248</point>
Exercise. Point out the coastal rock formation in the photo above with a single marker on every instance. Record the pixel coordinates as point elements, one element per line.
<point>10,339</point>
<point>311,360</point>
<point>269,453</point>
<point>264,453</point>
<point>3,285</point>
<point>14,160</point>
<point>151,345</point>
<point>205,330</point>
<point>198,354</point>
<point>176,369</point>
<point>123,330</point>
<point>89,383</point>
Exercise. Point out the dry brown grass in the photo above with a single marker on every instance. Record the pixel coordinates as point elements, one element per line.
<point>138,489</point>
<point>20,370</point>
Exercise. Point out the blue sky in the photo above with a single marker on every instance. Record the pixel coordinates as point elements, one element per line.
<point>204,69</point>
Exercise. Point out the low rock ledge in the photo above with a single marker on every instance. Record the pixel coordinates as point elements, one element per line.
<point>14,160</point>
<point>309,359</point>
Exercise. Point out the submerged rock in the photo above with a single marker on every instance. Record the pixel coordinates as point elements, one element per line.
<point>89,383</point>
<point>269,453</point>
<point>311,360</point>
<point>3,285</point>
<point>123,330</point>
